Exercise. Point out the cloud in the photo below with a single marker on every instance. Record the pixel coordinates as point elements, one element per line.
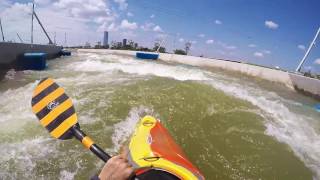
<point>84,9</point>
<point>181,40</point>
<point>42,2</point>
<point>157,29</point>
<point>125,24</point>
<point>226,46</point>
<point>152,16</point>
<point>317,61</point>
<point>123,5</point>
<point>210,41</point>
<point>258,54</point>
<point>201,35</point>
<point>271,24</point>
<point>193,42</point>
<point>266,52</point>
<point>108,27</point>
<point>252,45</point>
<point>129,14</point>
<point>147,26</point>
<point>218,22</point>
<point>302,47</point>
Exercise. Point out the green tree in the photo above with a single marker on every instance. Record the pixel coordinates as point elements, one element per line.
<point>161,49</point>
<point>180,51</point>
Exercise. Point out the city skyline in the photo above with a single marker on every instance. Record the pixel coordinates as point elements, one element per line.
<point>264,33</point>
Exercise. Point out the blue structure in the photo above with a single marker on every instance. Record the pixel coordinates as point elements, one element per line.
<point>317,107</point>
<point>105,38</point>
<point>142,55</point>
<point>65,53</point>
<point>33,61</point>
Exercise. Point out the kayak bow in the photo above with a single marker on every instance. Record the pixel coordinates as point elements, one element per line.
<point>152,147</point>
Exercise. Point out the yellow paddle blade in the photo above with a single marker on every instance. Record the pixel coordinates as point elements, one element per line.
<point>54,109</point>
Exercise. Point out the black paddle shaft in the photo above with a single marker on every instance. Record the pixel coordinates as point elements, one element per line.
<point>93,148</point>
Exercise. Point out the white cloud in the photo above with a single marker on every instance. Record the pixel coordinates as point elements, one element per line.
<point>129,14</point>
<point>157,29</point>
<point>125,24</point>
<point>147,26</point>
<point>266,52</point>
<point>258,54</point>
<point>210,41</point>
<point>317,61</point>
<point>42,2</point>
<point>152,16</point>
<point>181,40</point>
<point>252,45</point>
<point>122,4</point>
<point>302,47</point>
<point>271,24</point>
<point>218,22</point>
<point>108,27</point>
<point>193,42</point>
<point>201,35</point>
<point>84,9</point>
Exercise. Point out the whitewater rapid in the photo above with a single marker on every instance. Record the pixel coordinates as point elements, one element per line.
<point>282,116</point>
<point>295,129</point>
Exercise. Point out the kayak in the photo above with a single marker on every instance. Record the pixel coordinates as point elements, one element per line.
<point>154,153</point>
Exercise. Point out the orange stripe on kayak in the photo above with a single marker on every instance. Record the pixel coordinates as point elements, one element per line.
<point>164,145</point>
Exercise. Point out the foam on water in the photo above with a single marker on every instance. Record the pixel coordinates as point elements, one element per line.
<point>19,101</point>
<point>124,129</point>
<point>132,66</point>
<point>286,126</point>
<point>281,123</point>
<point>24,155</point>
<point>296,130</point>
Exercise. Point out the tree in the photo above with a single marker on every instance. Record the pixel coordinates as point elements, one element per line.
<point>180,51</point>
<point>161,49</point>
<point>187,47</point>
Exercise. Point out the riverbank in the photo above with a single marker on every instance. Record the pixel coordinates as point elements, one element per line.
<point>305,85</point>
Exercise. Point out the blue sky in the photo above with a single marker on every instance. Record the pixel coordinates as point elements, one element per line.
<point>271,33</point>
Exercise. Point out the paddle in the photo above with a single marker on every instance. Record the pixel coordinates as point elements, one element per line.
<point>56,113</point>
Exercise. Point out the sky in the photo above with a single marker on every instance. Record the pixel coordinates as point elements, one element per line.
<point>270,33</point>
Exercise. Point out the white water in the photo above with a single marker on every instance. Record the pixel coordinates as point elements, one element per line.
<point>296,130</point>
<point>281,121</point>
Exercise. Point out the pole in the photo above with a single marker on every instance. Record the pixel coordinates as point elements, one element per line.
<point>308,51</point>
<point>1,30</point>
<point>35,15</point>
<point>65,38</point>
<point>32,22</point>
<point>54,38</point>
<point>19,38</point>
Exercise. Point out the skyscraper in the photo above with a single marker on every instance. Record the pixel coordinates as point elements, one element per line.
<point>124,42</point>
<point>105,38</point>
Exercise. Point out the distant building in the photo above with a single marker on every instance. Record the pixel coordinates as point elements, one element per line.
<point>105,38</point>
<point>87,45</point>
<point>135,45</point>
<point>124,42</point>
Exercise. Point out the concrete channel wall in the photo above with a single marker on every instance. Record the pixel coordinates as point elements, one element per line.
<point>308,86</point>
<point>11,52</point>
